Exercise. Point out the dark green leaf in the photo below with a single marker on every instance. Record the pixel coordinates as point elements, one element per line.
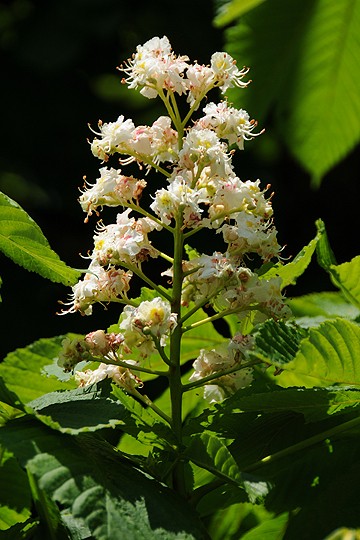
<point>91,483</point>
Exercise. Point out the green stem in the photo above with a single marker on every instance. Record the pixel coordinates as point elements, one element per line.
<point>175,384</point>
<point>147,401</point>
<point>147,280</point>
<point>161,351</point>
<point>319,437</point>
<point>217,316</point>
<point>131,367</point>
<point>199,305</point>
<point>165,100</point>
<point>143,212</point>
<point>194,107</point>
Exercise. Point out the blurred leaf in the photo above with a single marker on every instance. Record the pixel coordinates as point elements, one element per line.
<point>22,241</point>
<point>323,109</point>
<point>305,60</point>
<point>233,9</point>
<point>271,529</point>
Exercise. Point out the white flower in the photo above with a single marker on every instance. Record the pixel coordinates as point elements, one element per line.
<point>213,273</point>
<point>225,71</point>
<point>229,123</point>
<point>251,234</point>
<point>157,142</point>
<point>111,189</point>
<point>233,196</point>
<point>72,352</point>
<point>124,242</point>
<point>218,360</point>
<point>202,147</point>
<point>200,79</point>
<point>115,137</point>
<point>98,285</point>
<point>100,343</point>
<point>178,195</point>
<point>154,67</point>
<point>121,376</point>
<point>151,318</point>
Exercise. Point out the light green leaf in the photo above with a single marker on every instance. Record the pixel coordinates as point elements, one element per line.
<point>271,529</point>
<point>305,64</point>
<point>234,9</point>
<point>347,275</point>
<point>21,371</point>
<point>97,490</point>
<point>327,305</point>
<point>291,271</point>
<point>323,109</point>
<point>22,240</point>
<point>329,355</point>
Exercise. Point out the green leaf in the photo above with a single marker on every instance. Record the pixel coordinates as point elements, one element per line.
<point>346,275</point>
<point>329,355</point>
<point>277,343</point>
<point>322,305</point>
<point>325,255</point>
<point>22,240</point>
<point>313,403</point>
<point>21,371</point>
<point>22,531</point>
<point>234,9</point>
<point>210,452</point>
<point>323,110</point>
<point>305,60</point>
<point>291,271</point>
<point>81,410</point>
<point>271,529</point>
<point>15,500</point>
<point>96,489</point>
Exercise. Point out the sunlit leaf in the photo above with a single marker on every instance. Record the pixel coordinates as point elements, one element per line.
<point>322,304</point>
<point>305,67</point>
<point>271,529</point>
<point>22,372</point>
<point>22,240</point>
<point>329,355</point>
<point>210,452</point>
<point>233,9</point>
<point>292,270</point>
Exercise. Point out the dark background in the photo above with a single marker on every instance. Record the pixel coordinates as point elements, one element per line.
<point>58,73</point>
